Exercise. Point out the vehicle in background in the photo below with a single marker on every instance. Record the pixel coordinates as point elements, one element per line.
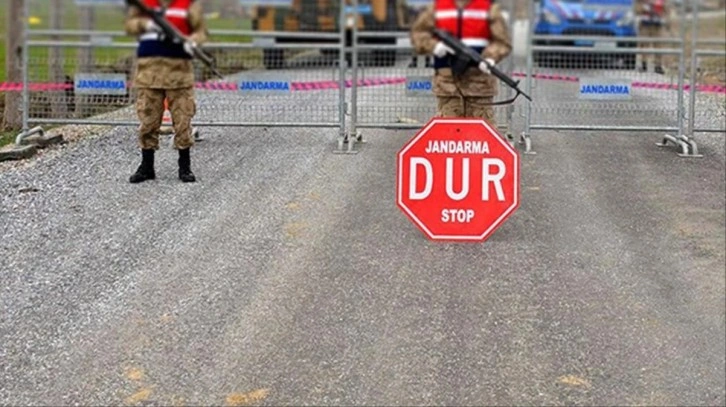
<point>573,20</point>
<point>323,16</point>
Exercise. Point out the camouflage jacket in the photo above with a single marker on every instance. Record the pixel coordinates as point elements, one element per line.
<point>473,82</point>
<point>161,72</point>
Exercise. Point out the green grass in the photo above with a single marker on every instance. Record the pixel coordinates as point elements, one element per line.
<point>7,138</point>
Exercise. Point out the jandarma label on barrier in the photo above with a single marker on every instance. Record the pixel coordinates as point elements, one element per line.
<point>265,84</point>
<point>99,84</point>
<point>419,86</point>
<point>605,89</point>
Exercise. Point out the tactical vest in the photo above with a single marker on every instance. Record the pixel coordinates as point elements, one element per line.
<point>470,24</point>
<point>177,13</point>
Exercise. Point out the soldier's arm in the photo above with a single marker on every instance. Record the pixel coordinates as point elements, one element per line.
<point>135,23</point>
<point>422,38</point>
<point>500,45</point>
<point>197,23</point>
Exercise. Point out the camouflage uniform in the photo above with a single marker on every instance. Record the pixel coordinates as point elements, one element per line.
<point>653,25</point>
<point>166,77</point>
<point>471,94</point>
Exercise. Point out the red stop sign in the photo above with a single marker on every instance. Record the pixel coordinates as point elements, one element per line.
<point>458,179</point>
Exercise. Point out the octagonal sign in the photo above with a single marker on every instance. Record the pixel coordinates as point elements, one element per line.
<point>458,179</point>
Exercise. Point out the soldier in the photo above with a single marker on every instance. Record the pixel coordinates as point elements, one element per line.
<point>479,24</point>
<point>652,22</point>
<point>164,71</point>
<point>411,13</point>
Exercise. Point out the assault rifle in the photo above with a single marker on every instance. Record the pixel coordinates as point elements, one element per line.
<point>172,33</point>
<point>465,56</point>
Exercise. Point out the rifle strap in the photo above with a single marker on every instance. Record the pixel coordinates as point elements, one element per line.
<point>499,103</point>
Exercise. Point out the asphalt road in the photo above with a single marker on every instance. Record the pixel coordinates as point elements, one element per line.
<point>287,275</point>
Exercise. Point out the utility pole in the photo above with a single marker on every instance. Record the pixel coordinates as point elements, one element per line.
<point>12,118</point>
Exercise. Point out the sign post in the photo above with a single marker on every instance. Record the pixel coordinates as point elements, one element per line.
<point>457,179</point>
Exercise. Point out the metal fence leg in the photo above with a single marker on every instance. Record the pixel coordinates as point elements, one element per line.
<point>26,62</point>
<point>27,133</point>
<point>688,137</point>
<point>349,136</point>
<point>342,104</point>
<point>524,138</point>
<point>677,141</point>
<point>353,135</point>
<point>688,146</point>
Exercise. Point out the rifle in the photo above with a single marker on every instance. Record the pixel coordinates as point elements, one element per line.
<point>174,35</point>
<point>465,55</point>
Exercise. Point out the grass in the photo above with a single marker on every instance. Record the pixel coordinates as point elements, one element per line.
<point>7,138</point>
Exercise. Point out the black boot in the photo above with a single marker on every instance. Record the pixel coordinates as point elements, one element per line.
<point>185,167</point>
<point>146,169</point>
<point>659,70</point>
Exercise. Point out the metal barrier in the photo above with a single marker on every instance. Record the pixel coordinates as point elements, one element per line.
<point>597,83</point>
<point>363,84</point>
<point>407,102</point>
<point>706,104</point>
<point>306,90</point>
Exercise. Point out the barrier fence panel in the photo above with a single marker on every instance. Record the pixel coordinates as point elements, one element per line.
<point>707,76</point>
<point>393,86</point>
<point>278,71</point>
<point>287,72</point>
<point>77,74</point>
<point>297,85</point>
<point>600,77</point>
<point>75,55</point>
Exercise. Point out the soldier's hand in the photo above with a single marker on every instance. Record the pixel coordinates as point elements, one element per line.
<point>151,26</point>
<point>190,47</point>
<point>484,66</point>
<point>441,50</point>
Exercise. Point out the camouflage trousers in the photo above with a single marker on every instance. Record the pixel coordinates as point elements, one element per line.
<point>652,31</point>
<point>459,106</point>
<point>150,110</point>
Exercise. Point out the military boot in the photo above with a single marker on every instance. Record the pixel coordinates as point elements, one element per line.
<point>185,166</point>
<point>146,169</point>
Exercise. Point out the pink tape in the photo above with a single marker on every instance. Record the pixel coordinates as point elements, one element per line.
<point>326,85</point>
<point>646,85</point>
